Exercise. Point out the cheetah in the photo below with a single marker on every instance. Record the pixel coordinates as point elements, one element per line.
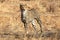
<point>29,16</point>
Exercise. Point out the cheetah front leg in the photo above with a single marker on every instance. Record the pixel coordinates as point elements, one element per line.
<point>33,24</point>
<point>26,27</point>
<point>35,30</point>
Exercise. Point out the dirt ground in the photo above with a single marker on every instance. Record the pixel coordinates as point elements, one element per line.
<point>12,27</point>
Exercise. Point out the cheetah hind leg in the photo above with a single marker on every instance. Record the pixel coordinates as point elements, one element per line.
<point>39,22</point>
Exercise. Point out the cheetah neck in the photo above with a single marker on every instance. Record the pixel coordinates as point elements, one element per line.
<point>24,13</point>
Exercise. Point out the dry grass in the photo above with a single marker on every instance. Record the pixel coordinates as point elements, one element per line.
<point>11,26</point>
